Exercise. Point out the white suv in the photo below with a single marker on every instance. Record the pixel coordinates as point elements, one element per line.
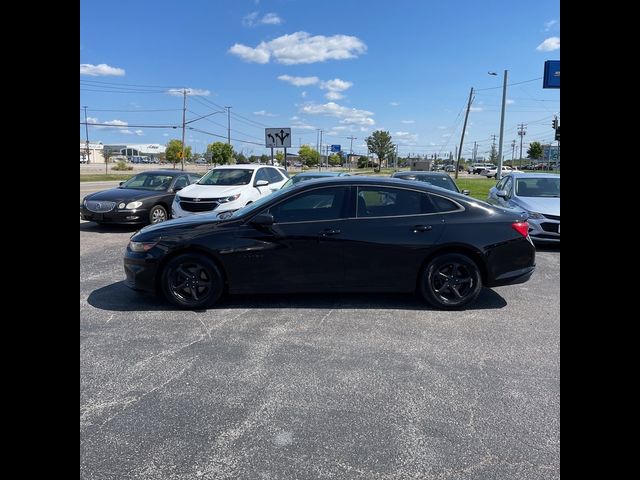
<point>226,189</point>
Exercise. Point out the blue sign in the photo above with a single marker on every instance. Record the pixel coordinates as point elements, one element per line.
<point>335,148</point>
<point>551,74</point>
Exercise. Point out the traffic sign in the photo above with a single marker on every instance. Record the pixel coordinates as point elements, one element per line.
<point>551,74</point>
<point>277,137</point>
<point>335,148</point>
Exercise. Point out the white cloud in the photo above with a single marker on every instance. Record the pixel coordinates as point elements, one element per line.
<point>193,92</point>
<point>339,127</point>
<point>406,137</point>
<point>127,132</point>
<point>407,121</point>
<point>91,120</point>
<point>264,113</point>
<point>295,117</point>
<point>510,102</point>
<point>346,115</point>
<point>303,126</point>
<point>304,94</point>
<point>120,123</point>
<point>271,19</point>
<point>260,54</point>
<point>549,24</point>
<point>402,134</point>
<point>251,19</point>
<point>334,95</point>
<point>101,70</point>
<point>475,109</point>
<point>139,133</point>
<point>336,85</point>
<point>394,104</point>
<point>301,47</point>
<point>550,44</point>
<point>116,123</point>
<point>299,81</point>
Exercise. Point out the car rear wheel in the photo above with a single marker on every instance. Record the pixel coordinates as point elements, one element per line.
<point>192,281</point>
<point>451,281</point>
<point>157,214</point>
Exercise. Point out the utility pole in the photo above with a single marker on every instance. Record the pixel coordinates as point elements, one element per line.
<point>86,131</point>
<point>228,125</point>
<point>464,127</point>
<point>513,150</point>
<point>350,152</point>
<point>320,151</point>
<point>504,102</point>
<point>493,145</point>
<point>475,151</point>
<point>522,132</point>
<point>184,114</point>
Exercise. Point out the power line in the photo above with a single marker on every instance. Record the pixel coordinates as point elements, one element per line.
<point>509,84</point>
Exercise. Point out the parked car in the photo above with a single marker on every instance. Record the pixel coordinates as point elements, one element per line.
<point>537,194</point>
<point>144,198</point>
<point>477,168</point>
<point>227,188</point>
<point>337,235</point>
<point>493,171</point>
<point>437,179</point>
<point>301,177</point>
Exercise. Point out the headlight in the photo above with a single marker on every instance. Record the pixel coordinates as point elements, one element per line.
<point>141,246</point>
<point>121,205</point>
<point>84,202</point>
<point>535,215</point>
<point>133,205</point>
<point>230,199</point>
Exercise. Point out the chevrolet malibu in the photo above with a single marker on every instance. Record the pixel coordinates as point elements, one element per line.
<point>343,234</point>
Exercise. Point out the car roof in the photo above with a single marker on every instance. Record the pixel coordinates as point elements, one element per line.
<point>421,172</point>
<point>534,175</point>
<point>173,173</point>
<point>320,174</point>
<point>245,166</point>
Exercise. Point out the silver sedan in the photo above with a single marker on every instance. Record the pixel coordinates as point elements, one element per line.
<point>537,194</point>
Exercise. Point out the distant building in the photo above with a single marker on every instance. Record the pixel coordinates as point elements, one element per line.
<point>95,152</point>
<point>420,165</point>
<point>151,150</point>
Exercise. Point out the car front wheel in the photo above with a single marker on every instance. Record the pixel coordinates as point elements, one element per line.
<point>157,214</point>
<point>192,281</point>
<point>451,281</point>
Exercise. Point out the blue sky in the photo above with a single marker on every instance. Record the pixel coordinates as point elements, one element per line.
<point>348,67</point>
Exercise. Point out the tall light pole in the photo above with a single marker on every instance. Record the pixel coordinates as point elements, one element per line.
<point>184,114</point>
<point>86,131</point>
<point>228,125</point>
<point>504,101</point>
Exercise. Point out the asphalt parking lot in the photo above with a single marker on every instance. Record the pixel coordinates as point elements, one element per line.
<point>314,386</point>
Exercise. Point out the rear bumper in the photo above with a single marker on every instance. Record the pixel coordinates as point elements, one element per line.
<point>512,278</point>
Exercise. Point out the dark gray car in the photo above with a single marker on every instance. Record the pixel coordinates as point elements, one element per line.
<point>437,179</point>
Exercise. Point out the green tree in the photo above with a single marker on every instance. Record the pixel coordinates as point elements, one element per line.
<point>379,142</point>
<point>265,158</point>
<point>240,158</point>
<point>279,156</point>
<point>308,156</point>
<point>493,156</point>
<point>174,147</point>
<point>363,161</point>
<point>535,150</point>
<point>335,159</point>
<point>221,153</point>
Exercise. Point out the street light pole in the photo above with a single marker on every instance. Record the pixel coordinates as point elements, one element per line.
<point>504,101</point>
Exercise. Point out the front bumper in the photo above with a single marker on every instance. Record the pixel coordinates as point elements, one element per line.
<point>178,212</point>
<point>544,230</point>
<point>140,270</point>
<point>124,217</point>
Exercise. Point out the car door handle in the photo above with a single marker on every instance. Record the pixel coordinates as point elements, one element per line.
<point>422,228</point>
<point>328,232</point>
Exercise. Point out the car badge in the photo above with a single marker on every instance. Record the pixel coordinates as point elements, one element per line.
<point>196,199</point>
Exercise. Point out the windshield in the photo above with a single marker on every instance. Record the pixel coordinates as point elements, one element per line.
<point>538,187</point>
<point>437,181</point>
<point>227,176</point>
<point>258,204</point>
<point>149,181</point>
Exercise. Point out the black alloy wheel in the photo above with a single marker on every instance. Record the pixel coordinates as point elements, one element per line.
<point>192,281</point>
<point>451,281</point>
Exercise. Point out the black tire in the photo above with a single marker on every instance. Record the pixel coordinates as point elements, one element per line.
<point>451,281</point>
<point>192,281</point>
<point>158,214</point>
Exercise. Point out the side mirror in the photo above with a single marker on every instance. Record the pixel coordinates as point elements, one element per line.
<point>262,219</point>
<point>261,183</point>
<point>501,194</point>
<point>177,188</point>
<point>121,183</point>
<point>466,192</point>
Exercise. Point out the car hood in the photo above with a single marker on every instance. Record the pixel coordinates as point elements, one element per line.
<point>210,191</point>
<point>543,205</point>
<point>123,194</point>
<point>179,227</point>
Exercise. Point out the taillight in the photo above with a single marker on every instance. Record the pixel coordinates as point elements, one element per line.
<point>521,227</point>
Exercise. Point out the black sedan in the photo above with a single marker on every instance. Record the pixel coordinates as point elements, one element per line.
<point>439,179</point>
<point>144,198</point>
<point>344,234</point>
